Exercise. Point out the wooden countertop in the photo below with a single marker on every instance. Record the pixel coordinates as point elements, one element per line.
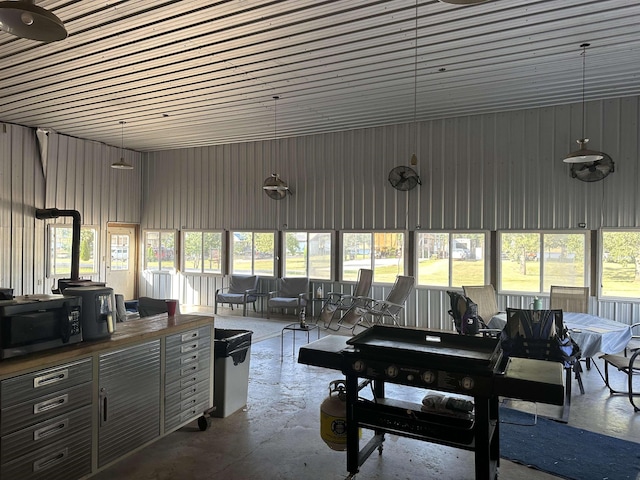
<point>134,331</point>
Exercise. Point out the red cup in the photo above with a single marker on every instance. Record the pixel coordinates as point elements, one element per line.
<point>171,307</point>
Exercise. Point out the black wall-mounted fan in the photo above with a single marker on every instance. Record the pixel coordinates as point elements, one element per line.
<point>404,178</point>
<point>275,188</point>
<point>593,171</point>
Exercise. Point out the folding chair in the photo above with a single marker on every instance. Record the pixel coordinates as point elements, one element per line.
<point>338,303</point>
<point>379,310</point>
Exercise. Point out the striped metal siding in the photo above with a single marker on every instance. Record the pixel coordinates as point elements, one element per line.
<point>490,172</point>
<point>130,378</point>
<point>78,177</point>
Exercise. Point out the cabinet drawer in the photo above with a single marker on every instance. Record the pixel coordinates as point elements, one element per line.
<point>183,349</point>
<point>184,337</point>
<point>32,385</point>
<point>63,460</point>
<point>174,421</point>
<point>186,381</point>
<point>188,403</point>
<point>44,433</point>
<point>186,393</point>
<point>43,408</point>
<point>189,367</point>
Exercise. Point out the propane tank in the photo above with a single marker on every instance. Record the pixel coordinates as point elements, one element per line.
<point>333,416</point>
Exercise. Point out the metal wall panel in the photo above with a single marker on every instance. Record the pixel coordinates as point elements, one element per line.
<point>76,175</point>
<point>490,172</point>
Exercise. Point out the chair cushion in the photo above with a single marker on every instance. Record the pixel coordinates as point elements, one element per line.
<point>234,298</point>
<point>286,302</point>
<point>292,287</point>
<point>242,283</point>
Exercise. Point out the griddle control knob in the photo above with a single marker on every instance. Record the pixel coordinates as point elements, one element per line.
<point>359,366</point>
<point>428,377</point>
<point>392,371</point>
<point>467,383</point>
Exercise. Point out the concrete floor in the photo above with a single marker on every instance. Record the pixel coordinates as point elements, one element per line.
<point>277,436</point>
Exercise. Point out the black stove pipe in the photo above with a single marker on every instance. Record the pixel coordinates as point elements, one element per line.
<point>49,213</point>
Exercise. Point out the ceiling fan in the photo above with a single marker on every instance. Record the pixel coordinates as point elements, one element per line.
<point>404,178</point>
<point>275,188</point>
<point>593,171</point>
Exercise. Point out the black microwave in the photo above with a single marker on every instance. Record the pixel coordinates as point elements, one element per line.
<point>32,323</point>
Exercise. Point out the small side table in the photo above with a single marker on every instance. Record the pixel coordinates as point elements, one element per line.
<point>296,327</point>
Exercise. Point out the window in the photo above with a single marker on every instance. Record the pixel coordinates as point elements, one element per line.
<point>448,259</point>
<point>533,261</point>
<point>620,264</point>
<point>383,252</point>
<point>60,240</point>
<point>160,250</point>
<point>308,254</point>
<point>201,252</point>
<point>253,253</point>
<point>119,252</point>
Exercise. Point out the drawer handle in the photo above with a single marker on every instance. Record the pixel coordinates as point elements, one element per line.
<point>51,460</point>
<point>189,336</point>
<point>49,430</point>
<point>50,378</point>
<point>51,404</point>
<point>188,348</point>
<point>192,358</point>
<point>103,406</point>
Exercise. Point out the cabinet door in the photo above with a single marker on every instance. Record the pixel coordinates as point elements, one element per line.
<point>129,394</point>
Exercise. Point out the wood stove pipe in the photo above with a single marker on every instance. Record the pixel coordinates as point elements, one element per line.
<point>49,213</point>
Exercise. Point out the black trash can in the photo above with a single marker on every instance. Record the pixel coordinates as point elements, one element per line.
<point>232,352</point>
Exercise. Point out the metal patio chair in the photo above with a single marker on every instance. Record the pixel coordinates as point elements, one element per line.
<point>242,290</point>
<point>368,311</point>
<point>338,303</point>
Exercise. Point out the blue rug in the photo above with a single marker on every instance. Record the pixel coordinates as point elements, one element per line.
<point>565,451</point>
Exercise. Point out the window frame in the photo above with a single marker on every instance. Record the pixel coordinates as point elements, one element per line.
<point>96,249</point>
<point>372,249</point>
<point>176,250</point>
<point>308,233</point>
<point>600,264</point>
<point>183,252</point>
<point>230,249</point>
<point>541,279</point>
<point>488,252</point>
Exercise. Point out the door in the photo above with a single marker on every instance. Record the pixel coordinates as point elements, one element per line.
<point>122,254</point>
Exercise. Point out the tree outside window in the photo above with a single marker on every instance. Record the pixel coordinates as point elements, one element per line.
<point>620,264</point>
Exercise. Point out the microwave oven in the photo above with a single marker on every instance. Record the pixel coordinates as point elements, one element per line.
<point>32,323</point>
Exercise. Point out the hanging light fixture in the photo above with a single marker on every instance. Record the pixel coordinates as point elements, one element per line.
<point>122,165</point>
<point>24,19</point>
<point>273,186</point>
<point>583,155</point>
<point>414,158</point>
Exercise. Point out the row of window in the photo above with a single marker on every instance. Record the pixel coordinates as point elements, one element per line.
<point>524,262</point>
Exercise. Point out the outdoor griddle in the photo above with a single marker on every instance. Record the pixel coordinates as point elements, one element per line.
<point>431,360</point>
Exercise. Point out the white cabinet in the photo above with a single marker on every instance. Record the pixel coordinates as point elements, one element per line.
<point>129,400</point>
<point>45,423</point>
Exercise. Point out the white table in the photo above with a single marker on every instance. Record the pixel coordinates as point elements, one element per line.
<point>593,334</point>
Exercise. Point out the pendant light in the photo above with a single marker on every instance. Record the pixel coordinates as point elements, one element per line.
<point>24,19</point>
<point>583,155</point>
<point>122,165</point>
<point>414,158</point>
<point>273,186</point>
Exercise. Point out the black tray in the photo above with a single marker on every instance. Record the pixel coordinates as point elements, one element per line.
<point>420,346</point>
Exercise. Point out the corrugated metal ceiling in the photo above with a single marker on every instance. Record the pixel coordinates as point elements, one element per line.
<point>193,73</point>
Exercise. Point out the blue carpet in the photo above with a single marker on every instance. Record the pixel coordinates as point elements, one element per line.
<point>565,451</point>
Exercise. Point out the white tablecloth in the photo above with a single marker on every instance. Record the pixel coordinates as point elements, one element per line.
<point>593,334</point>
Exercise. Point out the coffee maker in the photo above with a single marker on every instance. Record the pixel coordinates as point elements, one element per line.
<point>98,317</point>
